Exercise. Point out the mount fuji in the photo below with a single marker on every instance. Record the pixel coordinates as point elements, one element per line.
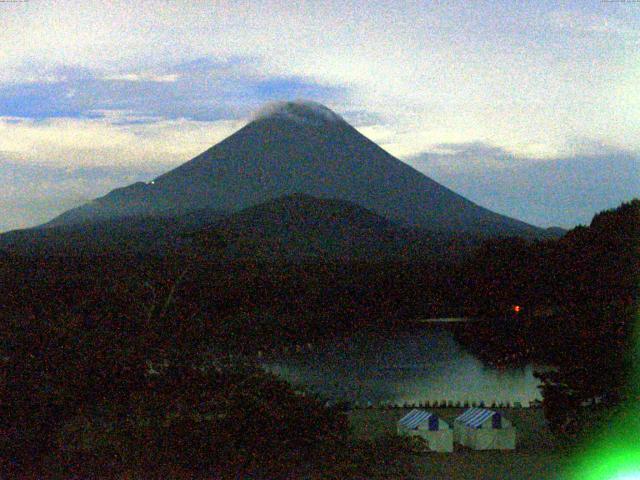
<point>303,148</point>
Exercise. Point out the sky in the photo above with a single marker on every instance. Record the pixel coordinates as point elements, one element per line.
<point>531,109</point>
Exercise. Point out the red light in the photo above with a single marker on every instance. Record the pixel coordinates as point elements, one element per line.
<point>516,308</point>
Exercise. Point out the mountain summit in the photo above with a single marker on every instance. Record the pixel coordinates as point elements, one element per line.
<point>300,147</point>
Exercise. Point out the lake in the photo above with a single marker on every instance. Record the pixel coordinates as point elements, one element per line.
<point>414,365</point>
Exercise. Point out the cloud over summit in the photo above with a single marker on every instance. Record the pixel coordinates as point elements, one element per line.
<point>302,111</point>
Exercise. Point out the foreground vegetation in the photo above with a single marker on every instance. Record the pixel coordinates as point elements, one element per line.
<point>171,420</point>
<point>124,363</point>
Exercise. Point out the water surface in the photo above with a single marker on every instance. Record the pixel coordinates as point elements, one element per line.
<point>415,365</point>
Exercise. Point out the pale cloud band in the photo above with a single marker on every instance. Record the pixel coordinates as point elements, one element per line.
<point>76,143</point>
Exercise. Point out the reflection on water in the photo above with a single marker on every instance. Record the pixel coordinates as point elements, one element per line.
<point>423,364</point>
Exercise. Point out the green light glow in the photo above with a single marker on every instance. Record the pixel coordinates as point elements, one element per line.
<point>627,476</point>
<point>614,454</point>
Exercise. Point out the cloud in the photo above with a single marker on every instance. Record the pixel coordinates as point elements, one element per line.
<point>561,191</point>
<point>302,111</point>
<point>205,90</point>
<point>142,77</point>
<point>474,154</point>
<point>112,139</point>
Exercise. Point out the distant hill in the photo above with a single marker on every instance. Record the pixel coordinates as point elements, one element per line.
<point>300,147</point>
<point>299,227</point>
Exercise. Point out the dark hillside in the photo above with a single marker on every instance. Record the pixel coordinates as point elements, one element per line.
<point>294,228</point>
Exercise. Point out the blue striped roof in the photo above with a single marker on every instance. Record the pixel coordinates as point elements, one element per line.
<point>415,418</point>
<point>475,417</point>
